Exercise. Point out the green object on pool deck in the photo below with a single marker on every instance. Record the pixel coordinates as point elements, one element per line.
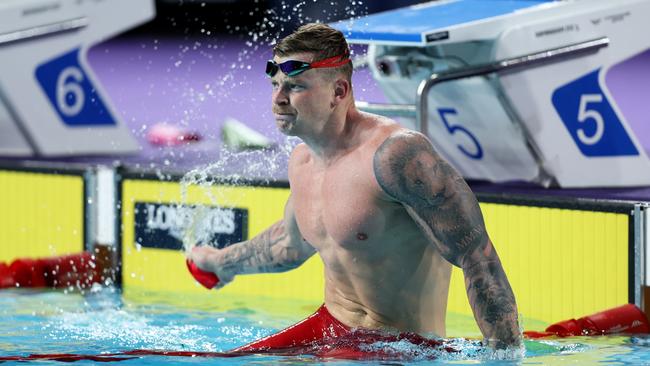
<point>237,136</point>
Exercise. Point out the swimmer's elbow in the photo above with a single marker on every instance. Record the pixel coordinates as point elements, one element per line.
<point>285,266</point>
<point>290,257</point>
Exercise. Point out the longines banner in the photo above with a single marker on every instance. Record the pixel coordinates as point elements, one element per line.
<point>166,226</point>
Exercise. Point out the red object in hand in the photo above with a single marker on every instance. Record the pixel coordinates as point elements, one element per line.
<point>627,319</point>
<point>207,279</point>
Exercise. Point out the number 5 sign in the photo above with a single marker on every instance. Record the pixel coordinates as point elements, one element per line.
<point>71,92</point>
<point>590,118</point>
<point>475,151</point>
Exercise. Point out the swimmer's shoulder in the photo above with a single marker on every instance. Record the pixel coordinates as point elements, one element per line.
<point>300,155</point>
<point>395,155</point>
<point>398,141</point>
<point>387,131</point>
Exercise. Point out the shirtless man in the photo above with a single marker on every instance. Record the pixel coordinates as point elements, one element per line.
<point>387,214</point>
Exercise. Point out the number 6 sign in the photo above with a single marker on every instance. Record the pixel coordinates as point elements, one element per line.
<point>71,92</point>
<point>66,87</point>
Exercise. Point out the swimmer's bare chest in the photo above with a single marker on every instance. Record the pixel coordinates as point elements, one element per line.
<point>342,208</point>
<point>379,268</point>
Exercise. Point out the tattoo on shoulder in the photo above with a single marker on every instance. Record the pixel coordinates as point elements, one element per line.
<point>408,169</point>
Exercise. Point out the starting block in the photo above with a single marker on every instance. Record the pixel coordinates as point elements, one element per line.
<point>51,103</point>
<point>553,92</point>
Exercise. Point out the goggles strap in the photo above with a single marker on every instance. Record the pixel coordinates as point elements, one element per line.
<point>335,61</point>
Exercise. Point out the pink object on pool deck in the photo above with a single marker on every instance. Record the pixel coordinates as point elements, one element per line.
<point>162,134</point>
<point>207,279</point>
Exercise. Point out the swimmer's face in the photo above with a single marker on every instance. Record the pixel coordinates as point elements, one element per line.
<point>302,103</point>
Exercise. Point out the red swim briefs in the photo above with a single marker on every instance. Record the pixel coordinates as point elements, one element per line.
<point>323,335</point>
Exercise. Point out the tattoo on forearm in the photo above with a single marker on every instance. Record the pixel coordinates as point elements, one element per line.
<point>492,299</point>
<point>266,252</point>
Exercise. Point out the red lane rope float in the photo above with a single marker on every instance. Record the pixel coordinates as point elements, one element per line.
<point>627,319</point>
<point>6,276</point>
<point>79,270</point>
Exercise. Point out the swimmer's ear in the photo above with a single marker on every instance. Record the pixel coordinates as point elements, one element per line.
<point>341,90</point>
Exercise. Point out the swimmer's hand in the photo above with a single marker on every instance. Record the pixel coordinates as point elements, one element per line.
<point>210,259</point>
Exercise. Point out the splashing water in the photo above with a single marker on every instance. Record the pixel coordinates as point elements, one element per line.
<point>464,350</point>
<point>232,168</point>
<point>236,168</point>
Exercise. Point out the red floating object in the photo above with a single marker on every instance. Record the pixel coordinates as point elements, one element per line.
<point>78,270</point>
<point>6,276</point>
<point>28,272</point>
<point>627,319</point>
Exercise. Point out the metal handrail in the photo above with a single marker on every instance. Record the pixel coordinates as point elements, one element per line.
<point>388,110</point>
<point>421,101</point>
<point>43,30</point>
<point>419,110</point>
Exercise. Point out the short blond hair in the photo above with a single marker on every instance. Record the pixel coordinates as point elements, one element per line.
<point>321,40</point>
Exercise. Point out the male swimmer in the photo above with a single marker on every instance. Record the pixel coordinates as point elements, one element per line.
<point>387,214</point>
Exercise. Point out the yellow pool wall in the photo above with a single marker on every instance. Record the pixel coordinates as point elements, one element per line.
<point>42,214</point>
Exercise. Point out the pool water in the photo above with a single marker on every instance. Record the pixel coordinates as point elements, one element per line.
<point>104,321</point>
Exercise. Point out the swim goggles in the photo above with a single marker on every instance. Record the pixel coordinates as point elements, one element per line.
<point>293,67</point>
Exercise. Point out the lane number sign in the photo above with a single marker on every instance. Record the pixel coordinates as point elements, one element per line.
<point>470,146</point>
<point>71,92</point>
<point>590,118</point>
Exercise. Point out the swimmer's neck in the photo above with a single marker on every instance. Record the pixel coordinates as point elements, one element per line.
<point>336,137</point>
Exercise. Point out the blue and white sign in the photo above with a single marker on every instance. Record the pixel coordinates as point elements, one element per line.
<point>590,119</point>
<point>71,92</point>
<point>166,226</point>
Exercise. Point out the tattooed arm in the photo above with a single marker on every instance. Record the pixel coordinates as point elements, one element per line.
<point>277,249</point>
<point>438,199</point>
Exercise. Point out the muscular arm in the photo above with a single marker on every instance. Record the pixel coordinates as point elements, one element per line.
<point>277,249</point>
<point>438,199</point>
